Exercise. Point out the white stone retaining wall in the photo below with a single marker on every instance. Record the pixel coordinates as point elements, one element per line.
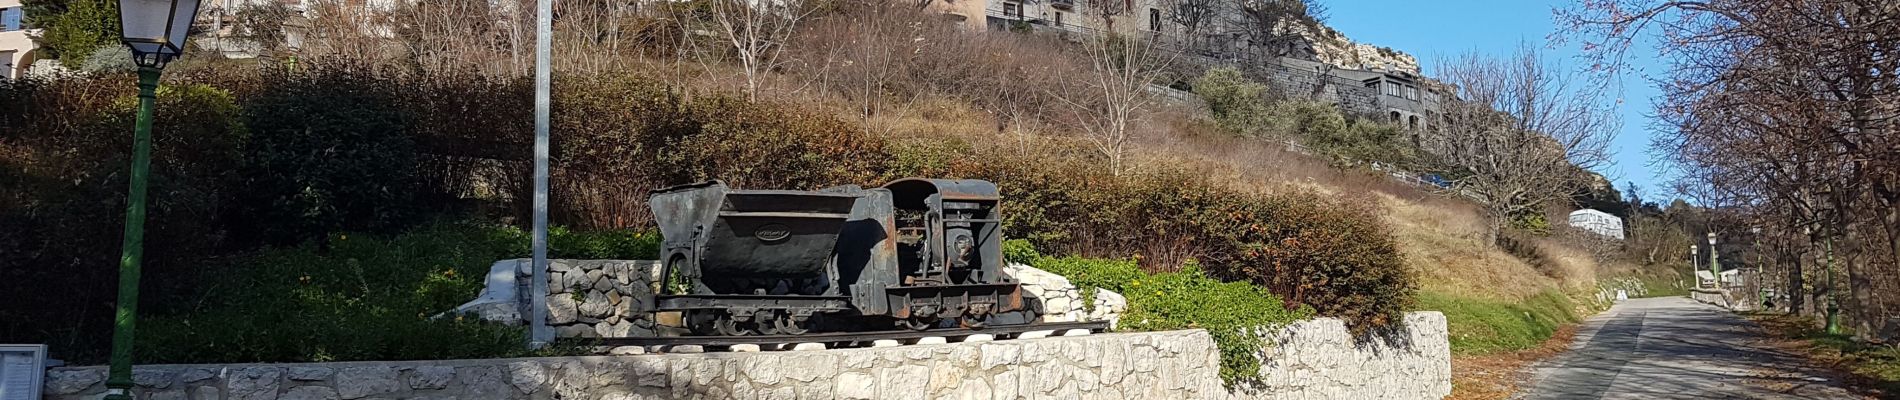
<point>1315,359</point>
<point>1156,365</point>
<point>1320,359</point>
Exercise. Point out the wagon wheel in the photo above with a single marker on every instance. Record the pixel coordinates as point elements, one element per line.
<point>974,321</point>
<point>728,327</point>
<point>786,325</point>
<point>917,324</point>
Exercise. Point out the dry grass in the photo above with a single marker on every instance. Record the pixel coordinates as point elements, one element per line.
<point>1448,246</point>
<point>1443,238</point>
<point>1497,376</point>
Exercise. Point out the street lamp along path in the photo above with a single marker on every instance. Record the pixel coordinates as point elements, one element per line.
<point>155,31</point>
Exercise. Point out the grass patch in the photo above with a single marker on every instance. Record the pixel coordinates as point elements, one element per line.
<point>1183,299</point>
<point>352,297</point>
<point>1872,365</point>
<point>1485,326</point>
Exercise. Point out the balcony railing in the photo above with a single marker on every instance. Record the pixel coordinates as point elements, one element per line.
<point>1062,4</point>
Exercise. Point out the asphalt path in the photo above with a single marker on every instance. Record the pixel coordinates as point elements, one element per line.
<point>1676,348</point>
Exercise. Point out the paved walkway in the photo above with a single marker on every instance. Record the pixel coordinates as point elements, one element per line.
<point>1675,348</point>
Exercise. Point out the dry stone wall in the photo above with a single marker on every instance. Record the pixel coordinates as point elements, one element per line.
<point>586,299</point>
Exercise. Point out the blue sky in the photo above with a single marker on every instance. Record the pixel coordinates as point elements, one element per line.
<point>1432,30</point>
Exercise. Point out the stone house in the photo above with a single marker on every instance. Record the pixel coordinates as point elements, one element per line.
<point>16,41</point>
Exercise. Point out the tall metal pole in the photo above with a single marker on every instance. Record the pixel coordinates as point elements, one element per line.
<point>539,333</point>
<point>132,250</point>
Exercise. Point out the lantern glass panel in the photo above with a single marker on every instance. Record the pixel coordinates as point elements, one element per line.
<point>145,20</point>
<point>181,23</point>
<point>156,26</point>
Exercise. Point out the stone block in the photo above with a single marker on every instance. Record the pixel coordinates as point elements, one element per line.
<point>174,394</point>
<point>744,348</point>
<point>309,373</point>
<point>72,380</point>
<point>562,309</point>
<point>360,382</point>
<point>1076,332</point>
<point>430,377</point>
<point>527,376</point>
<point>196,374</point>
<point>310,393</point>
<point>595,306</point>
<point>254,383</point>
<point>856,386</point>
<point>154,378</point>
<point>932,340</point>
<point>1035,334</point>
<point>573,282</point>
<point>627,351</point>
<point>483,382</point>
<point>205,393</point>
<point>685,349</point>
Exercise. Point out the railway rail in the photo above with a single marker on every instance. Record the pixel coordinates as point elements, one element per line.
<point>831,339</point>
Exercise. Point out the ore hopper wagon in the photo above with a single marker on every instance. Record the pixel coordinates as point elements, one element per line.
<point>915,253</point>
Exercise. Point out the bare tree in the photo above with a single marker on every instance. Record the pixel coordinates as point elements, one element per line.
<point>1787,107</point>
<point>1194,17</point>
<point>1265,24</point>
<point>1111,96</point>
<point>757,32</point>
<point>1520,133</point>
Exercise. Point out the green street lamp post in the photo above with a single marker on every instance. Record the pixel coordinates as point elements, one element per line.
<point>1715,265</point>
<point>155,31</point>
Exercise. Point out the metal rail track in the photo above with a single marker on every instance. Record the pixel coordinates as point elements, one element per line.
<point>836,337</point>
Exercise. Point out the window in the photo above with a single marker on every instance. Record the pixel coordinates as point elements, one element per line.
<point>1058,18</point>
<point>1395,117</point>
<point>1411,92</point>
<point>1413,121</point>
<point>1154,20</point>
<point>1392,89</point>
<point>1012,10</point>
<point>9,19</point>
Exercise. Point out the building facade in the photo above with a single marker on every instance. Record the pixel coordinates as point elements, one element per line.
<point>1597,222</point>
<point>16,41</point>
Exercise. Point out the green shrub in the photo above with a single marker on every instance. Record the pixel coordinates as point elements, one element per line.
<point>1186,299</point>
<point>1238,104</point>
<point>1482,326</point>
<point>603,245</point>
<point>350,297</point>
<point>1323,128</point>
<point>329,152</point>
<point>362,297</point>
<point>63,162</point>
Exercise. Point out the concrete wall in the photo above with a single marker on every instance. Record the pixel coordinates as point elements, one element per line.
<point>1316,359</point>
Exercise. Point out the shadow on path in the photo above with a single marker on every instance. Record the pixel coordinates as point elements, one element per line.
<point>1675,348</point>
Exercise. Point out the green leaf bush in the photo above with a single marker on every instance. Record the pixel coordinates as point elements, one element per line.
<point>1232,312</point>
